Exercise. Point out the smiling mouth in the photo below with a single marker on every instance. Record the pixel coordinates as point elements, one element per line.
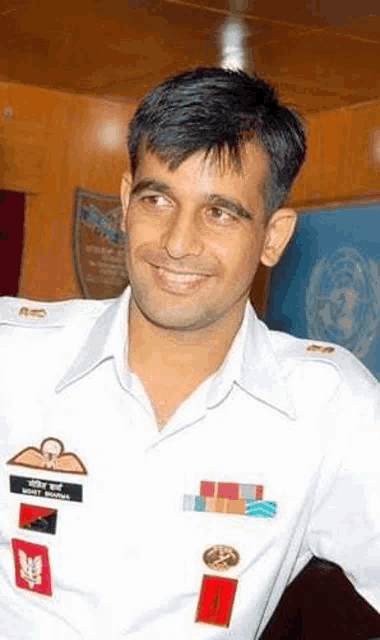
<point>181,276</point>
<point>179,281</point>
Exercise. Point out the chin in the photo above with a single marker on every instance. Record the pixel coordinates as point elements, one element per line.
<point>181,322</point>
<point>180,319</point>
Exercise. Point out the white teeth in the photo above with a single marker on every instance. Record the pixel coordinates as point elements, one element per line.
<point>179,277</point>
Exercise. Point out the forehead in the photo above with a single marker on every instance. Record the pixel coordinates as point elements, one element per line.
<point>205,174</point>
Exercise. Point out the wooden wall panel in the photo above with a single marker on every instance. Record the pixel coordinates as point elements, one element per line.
<point>52,144</point>
<point>340,164</point>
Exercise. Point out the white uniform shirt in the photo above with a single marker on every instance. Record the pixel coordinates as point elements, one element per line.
<point>298,423</point>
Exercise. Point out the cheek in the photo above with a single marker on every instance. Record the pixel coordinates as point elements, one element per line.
<point>140,232</point>
<point>238,256</point>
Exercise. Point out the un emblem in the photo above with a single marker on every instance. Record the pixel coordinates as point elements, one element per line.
<point>342,301</point>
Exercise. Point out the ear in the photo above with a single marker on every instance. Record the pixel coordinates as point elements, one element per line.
<point>125,192</point>
<point>278,233</point>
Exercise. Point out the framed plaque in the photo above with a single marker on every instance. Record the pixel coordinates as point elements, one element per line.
<point>99,244</point>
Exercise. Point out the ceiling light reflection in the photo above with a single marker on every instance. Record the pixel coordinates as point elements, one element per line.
<point>110,134</point>
<point>233,46</point>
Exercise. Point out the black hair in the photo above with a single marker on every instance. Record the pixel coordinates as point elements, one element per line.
<point>218,111</point>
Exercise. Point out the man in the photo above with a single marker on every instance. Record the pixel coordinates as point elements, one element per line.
<point>170,465</point>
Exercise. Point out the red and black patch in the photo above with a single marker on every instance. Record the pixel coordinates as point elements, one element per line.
<point>40,519</point>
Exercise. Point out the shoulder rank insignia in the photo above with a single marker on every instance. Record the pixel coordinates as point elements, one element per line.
<point>50,456</point>
<point>32,312</point>
<point>319,348</point>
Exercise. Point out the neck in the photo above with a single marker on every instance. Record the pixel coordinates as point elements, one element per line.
<point>196,354</point>
<point>171,364</point>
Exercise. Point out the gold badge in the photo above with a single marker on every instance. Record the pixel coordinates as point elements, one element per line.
<point>221,557</point>
<point>317,348</point>
<point>50,456</point>
<point>29,312</point>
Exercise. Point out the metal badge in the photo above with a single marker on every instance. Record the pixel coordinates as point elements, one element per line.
<point>30,312</point>
<point>317,348</point>
<point>221,557</point>
<point>50,456</point>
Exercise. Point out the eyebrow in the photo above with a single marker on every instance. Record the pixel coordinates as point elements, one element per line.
<point>149,184</point>
<point>232,205</point>
<point>153,185</point>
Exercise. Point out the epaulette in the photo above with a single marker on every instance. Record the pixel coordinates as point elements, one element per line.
<point>31,313</point>
<point>299,350</point>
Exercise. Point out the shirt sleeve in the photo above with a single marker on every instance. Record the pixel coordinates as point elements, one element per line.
<point>345,524</point>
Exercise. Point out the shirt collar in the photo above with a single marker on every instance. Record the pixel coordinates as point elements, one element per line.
<point>252,364</point>
<point>107,339</point>
<point>251,361</point>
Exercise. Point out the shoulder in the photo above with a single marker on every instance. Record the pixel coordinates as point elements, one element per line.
<point>36,331</point>
<point>31,314</point>
<point>39,340</point>
<point>321,363</point>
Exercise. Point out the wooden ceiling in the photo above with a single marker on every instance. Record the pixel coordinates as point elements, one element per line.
<point>321,55</point>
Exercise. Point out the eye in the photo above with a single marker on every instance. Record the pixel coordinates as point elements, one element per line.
<point>155,200</point>
<point>222,215</point>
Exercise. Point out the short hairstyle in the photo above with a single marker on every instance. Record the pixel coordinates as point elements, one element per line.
<point>218,111</point>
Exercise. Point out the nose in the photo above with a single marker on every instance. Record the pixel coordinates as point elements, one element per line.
<point>183,237</point>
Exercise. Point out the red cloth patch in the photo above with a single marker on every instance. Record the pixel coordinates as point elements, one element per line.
<point>32,567</point>
<point>228,490</point>
<point>207,489</point>
<point>216,600</point>
<point>29,514</point>
<point>259,491</point>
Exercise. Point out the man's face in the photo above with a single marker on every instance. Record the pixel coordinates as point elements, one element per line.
<point>194,238</point>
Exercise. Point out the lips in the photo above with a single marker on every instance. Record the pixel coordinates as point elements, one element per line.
<point>179,281</point>
<point>179,276</point>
